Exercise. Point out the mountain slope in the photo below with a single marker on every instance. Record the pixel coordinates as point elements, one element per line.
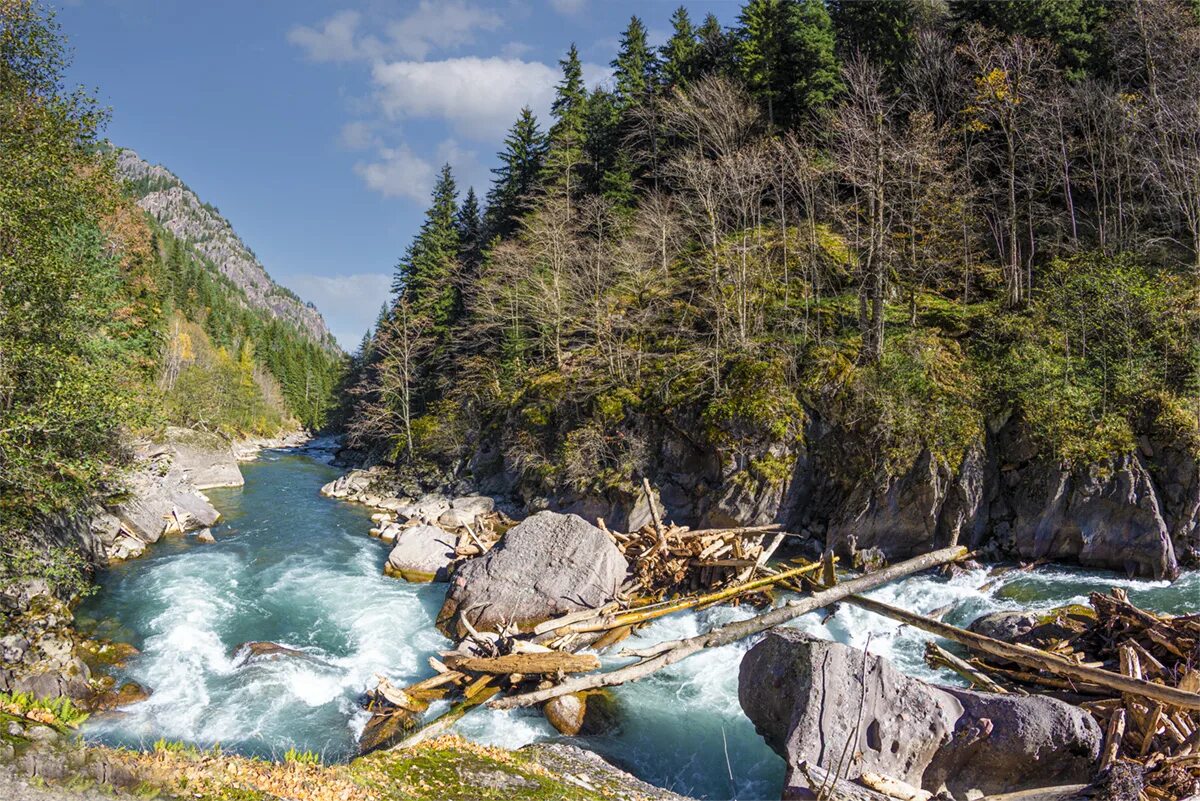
<point>181,212</point>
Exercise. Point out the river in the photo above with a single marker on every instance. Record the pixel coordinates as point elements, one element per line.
<point>293,567</point>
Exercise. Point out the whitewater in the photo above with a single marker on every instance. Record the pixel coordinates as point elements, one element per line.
<point>298,569</point>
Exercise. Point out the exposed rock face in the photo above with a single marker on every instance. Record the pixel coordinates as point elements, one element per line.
<point>159,498</point>
<point>547,565</point>
<point>176,206</point>
<point>41,658</point>
<point>804,696</point>
<point>206,460</point>
<point>421,553</point>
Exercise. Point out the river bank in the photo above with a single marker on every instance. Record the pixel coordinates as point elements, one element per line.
<point>297,569</point>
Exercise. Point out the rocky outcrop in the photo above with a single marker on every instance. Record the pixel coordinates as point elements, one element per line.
<point>159,497</point>
<point>547,565</point>
<point>39,656</point>
<point>206,460</point>
<point>809,698</point>
<point>421,553</point>
<point>165,197</point>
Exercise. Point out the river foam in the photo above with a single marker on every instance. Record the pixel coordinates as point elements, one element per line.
<point>296,569</point>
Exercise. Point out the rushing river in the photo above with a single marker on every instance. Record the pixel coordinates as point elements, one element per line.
<point>298,569</point>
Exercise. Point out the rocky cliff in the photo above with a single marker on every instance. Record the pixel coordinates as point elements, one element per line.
<point>166,198</point>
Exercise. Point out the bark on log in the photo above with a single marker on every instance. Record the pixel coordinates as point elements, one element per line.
<point>527,664</point>
<point>1032,657</point>
<point>733,632</point>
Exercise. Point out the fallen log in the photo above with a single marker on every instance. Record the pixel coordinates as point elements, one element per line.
<point>681,649</point>
<point>644,615</point>
<point>534,663</point>
<point>893,787</point>
<point>1032,657</point>
<point>936,656</point>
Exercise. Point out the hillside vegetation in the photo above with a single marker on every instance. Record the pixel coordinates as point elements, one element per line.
<point>930,229</point>
<point>109,324</point>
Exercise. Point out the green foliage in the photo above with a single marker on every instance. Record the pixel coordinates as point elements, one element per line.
<point>786,54</point>
<point>755,402</point>
<point>424,275</point>
<point>679,55</point>
<point>62,712</point>
<point>518,176</point>
<point>1106,344</point>
<point>64,569</point>
<point>922,395</point>
<point>302,757</point>
<point>635,67</point>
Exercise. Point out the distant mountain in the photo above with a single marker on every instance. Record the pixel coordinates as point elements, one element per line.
<point>178,209</point>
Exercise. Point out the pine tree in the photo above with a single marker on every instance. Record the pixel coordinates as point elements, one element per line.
<point>786,53</point>
<point>679,54</point>
<point>518,176</point>
<point>424,277</point>
<point>566,139</point>
<point>635,67</point>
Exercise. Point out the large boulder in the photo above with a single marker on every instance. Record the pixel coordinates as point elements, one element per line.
<point>160,497</point>
<point>206,460</point>
<point>421,553</point>
<point>547,565</point>
<point>809,698</point>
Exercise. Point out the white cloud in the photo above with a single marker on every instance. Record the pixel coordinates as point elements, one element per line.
<point>333,40</point>
<point>515,49</point>
<point>349,303</point>
<point>439,25</point>
<point>398,172</point>
<point>569,7</point>
<point>479,97</point>
<point>431,26</point>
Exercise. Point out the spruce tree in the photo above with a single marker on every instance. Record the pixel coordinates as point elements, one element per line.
<point>786,53</point>
<point>518,176</point>
<point>715,49</point>
<point>879,30</point>
<point>635,67</point>
<point>678,56</point>
<point>470,232</point>
<point>566,140</point>
<point>424,277</point>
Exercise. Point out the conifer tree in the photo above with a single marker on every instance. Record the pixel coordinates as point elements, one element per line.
<point>786,53</point>
<point>715,49</point>
<point>518,176</point>
<point>679,54</point>
<point>880,30</point>
<point>424,277</point>
<point>635,67</point>
<point>470,232</point>
<point>566,139</point>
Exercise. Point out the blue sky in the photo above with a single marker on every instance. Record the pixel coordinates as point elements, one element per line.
<point>317,127</point>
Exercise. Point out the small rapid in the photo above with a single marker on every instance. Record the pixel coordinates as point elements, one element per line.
<point>297,569</point>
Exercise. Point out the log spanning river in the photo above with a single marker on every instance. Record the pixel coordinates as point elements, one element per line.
<point>298,569</point>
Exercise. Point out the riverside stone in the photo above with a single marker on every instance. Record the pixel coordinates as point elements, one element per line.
<point>808,698</point>
<point>421,553</point>
<point>548,564</point>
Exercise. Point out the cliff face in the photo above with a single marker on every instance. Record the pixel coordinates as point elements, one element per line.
<point>165,197</point>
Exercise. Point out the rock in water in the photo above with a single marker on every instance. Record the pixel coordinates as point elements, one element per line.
<point>547,565</point>
<point>804,697</point>
<point>206,536</point>
<point>421,553</point>
<point>582,713</point>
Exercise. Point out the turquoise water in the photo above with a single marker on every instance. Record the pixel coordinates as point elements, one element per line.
<point>295,568</point>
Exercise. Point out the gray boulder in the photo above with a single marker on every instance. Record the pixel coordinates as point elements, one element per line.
<point>421,553</point>
<point>205,459</point>
<point>808,698</point>
<point>157,499</point>
<point>547,565</point>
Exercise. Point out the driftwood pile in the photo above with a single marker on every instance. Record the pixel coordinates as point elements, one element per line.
<point>1150,723</point>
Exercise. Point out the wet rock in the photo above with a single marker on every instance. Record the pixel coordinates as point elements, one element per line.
<point>547,565</point>
<point>206,536</point>
<point>805,696</point>
<point>261,651</point>
<point>386,729</point>
<point>582,713</point>
<point>421,553</point>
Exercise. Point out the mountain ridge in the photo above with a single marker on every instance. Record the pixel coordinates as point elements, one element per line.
<point>164,196</point>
